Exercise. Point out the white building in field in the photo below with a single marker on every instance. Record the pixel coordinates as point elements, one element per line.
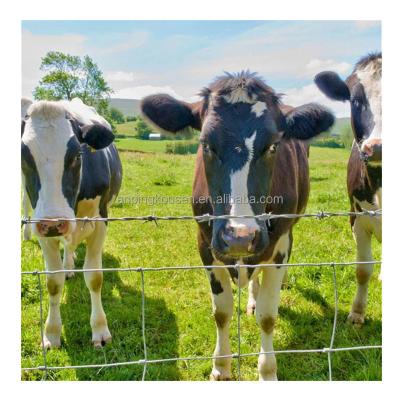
<point>155,136</point>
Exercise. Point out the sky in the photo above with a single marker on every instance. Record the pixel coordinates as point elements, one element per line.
<point>180,57</point>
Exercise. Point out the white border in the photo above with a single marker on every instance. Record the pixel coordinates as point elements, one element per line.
<point>204,9</point>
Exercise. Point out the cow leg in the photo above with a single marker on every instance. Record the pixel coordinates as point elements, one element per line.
<point>363,273</point>
<point>267,306</point>
<point>55,284</point>
<point>254,286</point>
<point>266,313</point>
<point>222,300</point>
<point>68,260</point>
<point>94,281</point>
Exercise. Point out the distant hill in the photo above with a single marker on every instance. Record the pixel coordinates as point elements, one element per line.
<point>128,107</point>
<point>340,123</point>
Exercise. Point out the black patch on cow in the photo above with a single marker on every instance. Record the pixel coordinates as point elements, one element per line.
<point>95,135</point>
<point>216,286</point>
<point>357,207</point>
<point>372,183</point>
<point>233,272</point>
<point>332,86</point>
<point>22,127</point>
<point>279,257</point>
<point>168,113</point>
<point>361,115</point>
<point>307,121</point>
<point>31,175</point>
<point>250,271</point>
<point>101,175</point>
<point>72,171</point>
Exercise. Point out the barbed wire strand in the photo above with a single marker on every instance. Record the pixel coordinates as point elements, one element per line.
<point>208,217</point>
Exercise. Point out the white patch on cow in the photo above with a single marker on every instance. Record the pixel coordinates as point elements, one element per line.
<point>84,113</point>
<point>239,198</point>
<point>371,224</point>
<point>239,95</point>
<point>259,108</point>
<point>46,134</point>
<point>371,81</point>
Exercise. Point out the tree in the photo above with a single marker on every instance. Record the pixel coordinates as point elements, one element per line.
<point>142,129</point>
<point>116,115</point>
<point>69,76</point>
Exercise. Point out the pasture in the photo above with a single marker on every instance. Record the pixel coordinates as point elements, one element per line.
<point>178,303</point>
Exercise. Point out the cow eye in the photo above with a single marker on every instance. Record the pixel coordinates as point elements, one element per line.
<point>206,147</point>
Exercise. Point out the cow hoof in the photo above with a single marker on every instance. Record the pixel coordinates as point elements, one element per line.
<point>251,309</point>
<point>101,337</point>
<point>51,342</point>
<point>217,375</point>
<point>356,319</point>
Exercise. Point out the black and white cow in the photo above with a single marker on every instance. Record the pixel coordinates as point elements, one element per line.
<point>252,147</point>
<point>26,205</point>
<point>71,169</point>
<point>364,172</point>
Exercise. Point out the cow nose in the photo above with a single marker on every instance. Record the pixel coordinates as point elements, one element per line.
<point>52,228</point>
<point>372,149</point>
<point>240,240</point>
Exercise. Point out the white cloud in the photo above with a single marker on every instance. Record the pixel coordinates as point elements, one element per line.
<point>34,47</point>
<point>311,94</point>
<point>363,25</point>
<point>126,43</point>
<point>138,92</point>
<point>316,65</point>
<point>120,76</point>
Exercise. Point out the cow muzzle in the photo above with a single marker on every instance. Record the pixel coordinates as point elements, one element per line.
<point>240,241</point>
<point>372,150</point>
<point>53,228</point>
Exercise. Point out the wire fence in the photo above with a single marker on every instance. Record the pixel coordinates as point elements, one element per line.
<point>329,350</point>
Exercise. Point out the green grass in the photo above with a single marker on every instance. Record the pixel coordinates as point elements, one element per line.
<point>127,128</point>
<point>178,303</point>
<point>140,145</point>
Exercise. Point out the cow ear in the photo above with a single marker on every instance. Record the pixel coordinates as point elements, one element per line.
<point>307,121</point>
<point>171,116</point>
<point>97,136</point>
<point>332,85</point>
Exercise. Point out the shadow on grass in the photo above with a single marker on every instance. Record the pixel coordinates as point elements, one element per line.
<point>313,330</point>
<point>122,304</point>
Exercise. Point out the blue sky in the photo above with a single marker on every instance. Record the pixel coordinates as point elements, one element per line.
<point>180,57</point>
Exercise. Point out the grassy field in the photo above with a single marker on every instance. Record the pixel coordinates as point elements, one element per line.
<point>178,303</point>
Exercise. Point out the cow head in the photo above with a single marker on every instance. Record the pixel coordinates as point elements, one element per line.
<point>241,125</point>
<point>363,90</point>
<point>53,138</point>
